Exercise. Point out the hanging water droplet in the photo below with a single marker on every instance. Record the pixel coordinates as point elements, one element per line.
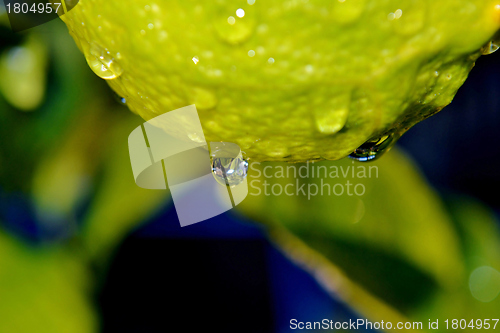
<point>490,47</point>
<point>228,165</point>
<point>373,149</point>
<point>102,63</point>
<point>333,117</point>
<point>119,99</point>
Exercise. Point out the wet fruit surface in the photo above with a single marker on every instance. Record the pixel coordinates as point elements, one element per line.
<point>287,80</point>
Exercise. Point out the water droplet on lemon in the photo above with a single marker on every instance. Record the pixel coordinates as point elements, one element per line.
<point>373,149</point>
<point>228,165</point>
<point>330,121</point>
<point>490,47</point>
<point>102,63</point>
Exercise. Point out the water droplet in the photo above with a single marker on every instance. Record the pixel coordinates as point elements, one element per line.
<point>251,53</point>
<point>228,166</point>
<point>195,137</point>
<point>119,99</point>
<point>373,149</point>
<point>270,60</point>
<point>240,12</point>
<point>250,2</point>
<point>490,47</point>
<point>231,20</point>
<point>196,60</point>
<point>332,118</point>
<point>102,63</point>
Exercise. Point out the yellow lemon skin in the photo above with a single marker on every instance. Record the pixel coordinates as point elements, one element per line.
<point>291,80</point>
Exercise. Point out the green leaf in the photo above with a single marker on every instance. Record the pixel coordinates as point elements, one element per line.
<point>119,205</point>
<point>43,290</point>
<point>480,241</point>
<point>395,242</point>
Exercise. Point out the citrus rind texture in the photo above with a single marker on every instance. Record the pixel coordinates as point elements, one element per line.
<point>286,80</point>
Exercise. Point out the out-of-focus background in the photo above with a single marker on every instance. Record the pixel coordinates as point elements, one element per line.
<point>83,249</point>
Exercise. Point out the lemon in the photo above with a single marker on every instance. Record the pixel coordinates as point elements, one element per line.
<point>290,80</point>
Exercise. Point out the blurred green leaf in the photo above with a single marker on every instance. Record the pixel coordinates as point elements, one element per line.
<point>94,153</point>
<point>395,244</point>
<point>44,290</point>
<point>119,205</point>
<point>480,243</point>
<point>70,157</point>
<point>31,135</point>
<point>64,176</point>
<point>23,73</point>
